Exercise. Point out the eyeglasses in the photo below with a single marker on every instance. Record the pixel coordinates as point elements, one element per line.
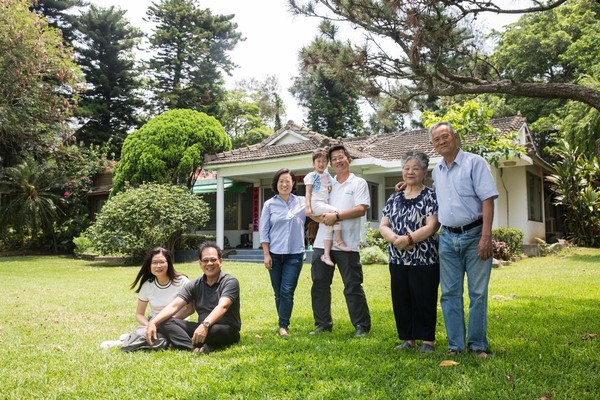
<point>209,260</point>
<point>339,158</point>
<point>159,262</point>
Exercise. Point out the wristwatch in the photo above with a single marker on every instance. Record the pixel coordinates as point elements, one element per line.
<point>337,216</point>
<point>206,324</point>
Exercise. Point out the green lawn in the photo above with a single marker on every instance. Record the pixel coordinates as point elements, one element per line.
<point>544,316</point>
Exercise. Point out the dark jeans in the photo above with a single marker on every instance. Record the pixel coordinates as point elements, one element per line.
<point>352,276</point>
<point>179,332</point>
<point>414,300</point>
<point>284,275</point>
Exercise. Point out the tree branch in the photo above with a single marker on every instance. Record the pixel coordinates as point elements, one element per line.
<point>567,91</point>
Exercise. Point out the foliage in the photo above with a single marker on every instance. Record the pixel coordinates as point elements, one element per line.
<point>562,45</point>
<point>242,121</point>
<point>471,122</point>
<point>501,250</point>
<point>191,241</point>
<point>142,218</point>
<point>190,46</point>
<point>85,303</point>
<point>373,255</point>
<point>169,149</point>
<point>30,204</point>
<point>554,46</point>
<point>37,80</point>
<point>79,166</point>
<point>511,237</point>
<point>386,118</point>
<point>83,245</point>
<point>265,94</point>
<point>577,187</point>
<point>374,238</point>
<point>327,87</point>
<point>59,14</point>
<point>104,46</point>
<point>410,49</point>
<point>550,249</point>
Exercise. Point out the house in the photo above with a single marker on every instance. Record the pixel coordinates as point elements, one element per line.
<point>524,201</point>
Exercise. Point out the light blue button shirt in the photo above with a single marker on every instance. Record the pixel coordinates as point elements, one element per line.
<point>282,224</point>
<point>462,188</point>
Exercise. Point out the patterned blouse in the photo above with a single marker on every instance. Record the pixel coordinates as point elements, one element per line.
<point>408,215</point>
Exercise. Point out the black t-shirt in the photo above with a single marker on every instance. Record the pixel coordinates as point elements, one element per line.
<point>206,298</point>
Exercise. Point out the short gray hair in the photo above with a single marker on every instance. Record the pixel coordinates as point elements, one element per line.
<point>441,123</point>
<point>419,156</point>
<point>446,124</point>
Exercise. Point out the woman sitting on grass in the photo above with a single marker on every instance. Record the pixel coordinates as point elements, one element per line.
<point>157,285</point>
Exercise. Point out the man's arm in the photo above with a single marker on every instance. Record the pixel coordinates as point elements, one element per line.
<point>216,314</point>
<point>166,313</point>
<point>485,248</point>
<point>351,213</point>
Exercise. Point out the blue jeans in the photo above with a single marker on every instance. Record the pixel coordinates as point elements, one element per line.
<point>458,255</point>
<point>284,275</point>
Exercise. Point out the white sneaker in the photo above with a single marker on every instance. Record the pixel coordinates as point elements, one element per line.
<point>109,344</point>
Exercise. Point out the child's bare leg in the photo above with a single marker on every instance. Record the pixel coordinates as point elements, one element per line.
<point>339,241</point>
<point>326,257</point>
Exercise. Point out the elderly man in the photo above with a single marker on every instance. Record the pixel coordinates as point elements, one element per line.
<point>216,297</point>
<point>350,196</point>
<point>465,192</point>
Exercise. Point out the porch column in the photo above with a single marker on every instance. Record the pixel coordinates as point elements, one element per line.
<point>220,212</point>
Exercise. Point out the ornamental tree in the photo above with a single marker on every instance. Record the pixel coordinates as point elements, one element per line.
<point>145,217</point>
<point>169,149</point>
<point>37,82</point>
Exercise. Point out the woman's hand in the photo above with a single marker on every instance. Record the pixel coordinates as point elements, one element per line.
<point>150,333</point>
<point>402,243</point>
<point>268,261</point>
<point>308,211</point>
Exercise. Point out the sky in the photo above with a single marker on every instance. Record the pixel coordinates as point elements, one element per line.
<point>273,39</point>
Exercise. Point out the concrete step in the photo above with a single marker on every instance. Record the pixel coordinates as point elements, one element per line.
<point>246,255</point>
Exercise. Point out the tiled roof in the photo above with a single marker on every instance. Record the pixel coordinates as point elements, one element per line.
<point>384,147</point>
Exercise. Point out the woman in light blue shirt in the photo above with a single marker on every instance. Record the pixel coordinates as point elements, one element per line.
<point>282,239</point>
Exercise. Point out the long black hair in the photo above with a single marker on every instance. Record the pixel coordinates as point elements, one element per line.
<point>145,272</point>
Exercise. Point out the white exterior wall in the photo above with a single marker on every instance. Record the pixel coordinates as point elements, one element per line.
<point>511,206</point>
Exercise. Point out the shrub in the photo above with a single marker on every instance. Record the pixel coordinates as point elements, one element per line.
<point>145,217</point>
<point>374,238</point>
<point>191,241</point>
<point>83,245</point>
<point>373,255</point>
<point>512,237</point>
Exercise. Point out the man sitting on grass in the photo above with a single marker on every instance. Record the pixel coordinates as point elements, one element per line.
<point>216,297</point>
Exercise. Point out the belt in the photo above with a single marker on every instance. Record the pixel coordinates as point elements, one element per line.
<point>464,228</point>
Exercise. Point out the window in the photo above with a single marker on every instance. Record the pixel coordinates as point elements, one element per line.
<point>534,197</point>
<point>373,212</point>
<point>238,210</point>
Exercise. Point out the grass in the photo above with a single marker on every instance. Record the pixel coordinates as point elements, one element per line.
<point>55,311</point>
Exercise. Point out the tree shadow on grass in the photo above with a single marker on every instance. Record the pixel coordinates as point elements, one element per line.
<point>587,258</point>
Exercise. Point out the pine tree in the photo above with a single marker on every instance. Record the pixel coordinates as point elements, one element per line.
<point>104,45</point>
<point>190,46</point>
<point>328,86</point>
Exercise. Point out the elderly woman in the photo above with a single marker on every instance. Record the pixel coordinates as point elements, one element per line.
<point>409,224</point>
<point>282,239</point>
